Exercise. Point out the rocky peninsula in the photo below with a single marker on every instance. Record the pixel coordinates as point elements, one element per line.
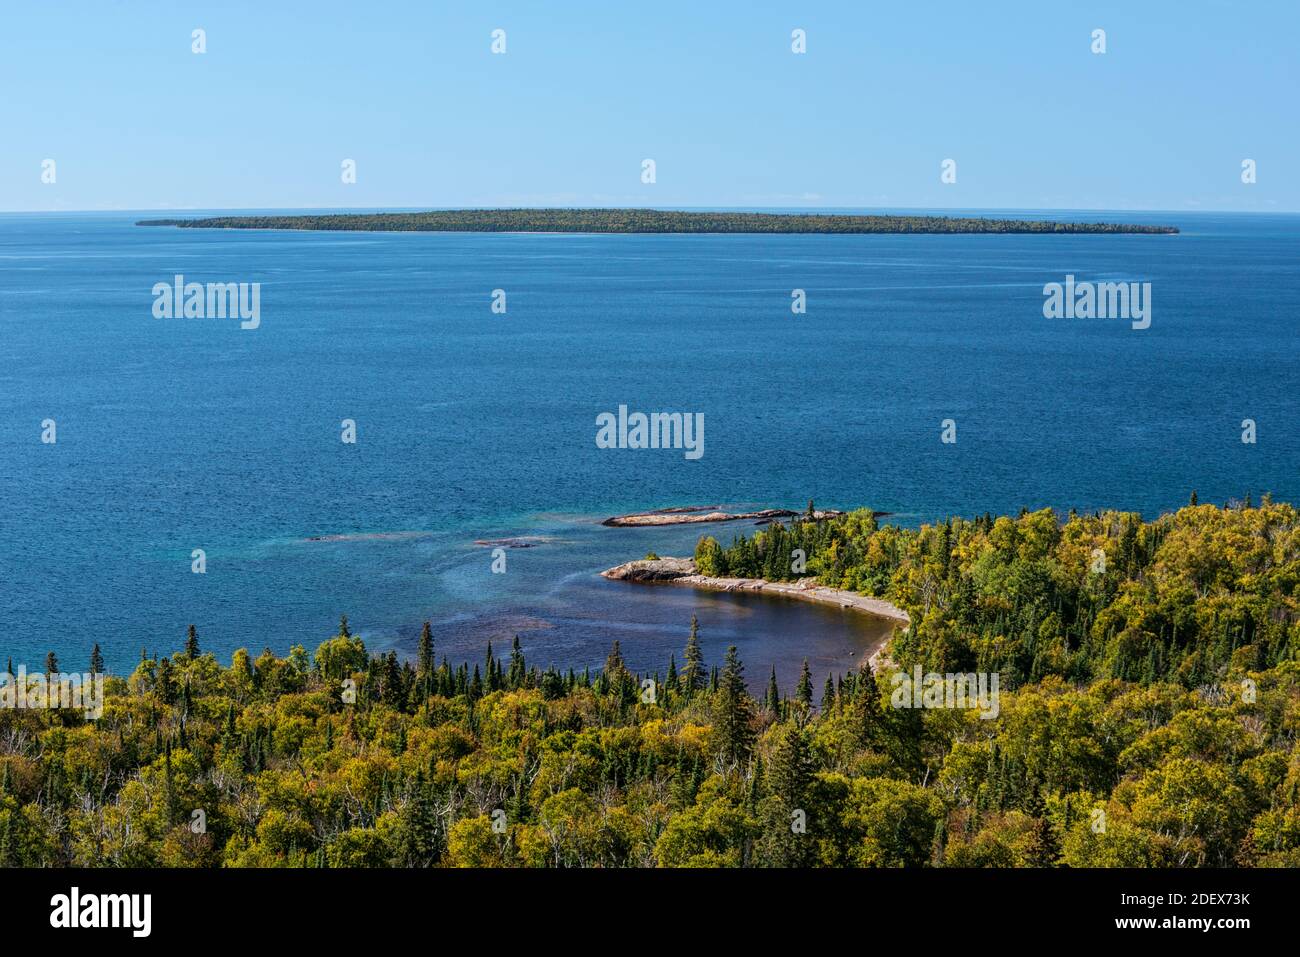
<point>696,514</point>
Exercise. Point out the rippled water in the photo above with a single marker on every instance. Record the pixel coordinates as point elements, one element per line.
<point>183,434</point>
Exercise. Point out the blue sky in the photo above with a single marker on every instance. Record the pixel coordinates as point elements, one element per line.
<point>712,92</point>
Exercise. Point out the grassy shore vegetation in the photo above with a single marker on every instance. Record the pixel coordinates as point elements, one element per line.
<point>1149,717</point>
<point>646,221</point>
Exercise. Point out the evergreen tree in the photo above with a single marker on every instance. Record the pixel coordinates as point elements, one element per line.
<point>828,696</point>
<point>417,842</point>
<point>772,701</point>
<point>191,644</point>
<point>424,652</point>
<point>390,692</point>
<point>791,768</point>
<point>1044,848</point>
<point>518,670</point>
<point>788,781</point>
<point>754,794</point>
<point>166,682</point>
<point>617,679</point>
<point>96,660</point>
<point>804,692</point>
<point>733,710</point>
<point>693,661</point>
<point>866,706</point>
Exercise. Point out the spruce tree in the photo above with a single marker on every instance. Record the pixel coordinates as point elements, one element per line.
<point>803,693</point>
<point>424,653</point>
<point>754,794</point>
<point>191,644</point>
<point>773,699</point>
<point>518,670</point>
<point>866,706</point>
<point>96,660</point>
<point>791,768</point>
<point>733,710</point>
<point>1044,847</point>
<point>166,684</point>
<point>693,661</point>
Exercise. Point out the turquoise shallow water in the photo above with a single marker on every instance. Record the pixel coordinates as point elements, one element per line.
<point>183,434</point>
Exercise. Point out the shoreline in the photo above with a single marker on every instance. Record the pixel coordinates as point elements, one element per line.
<point>682,571</point>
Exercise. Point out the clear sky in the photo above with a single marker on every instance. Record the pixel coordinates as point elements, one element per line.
<point>411,91</point>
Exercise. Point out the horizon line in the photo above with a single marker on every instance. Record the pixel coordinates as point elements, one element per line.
<point>668,208</point>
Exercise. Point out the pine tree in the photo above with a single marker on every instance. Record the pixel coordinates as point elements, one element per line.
<point>51,664</point>
<point>803,693</point>
<point>166,684</point>
<point>391,682</point>
<point>424,654</point>
<point>773,699</point>
<point>169,793</point>
<point>1044,847</point>
<point>828,696</point>
<point>732,712</point>
<point>756,782</point>
<point>518,670</point>
<point>96,660</point>
<point>343,627</point>
<point>417,844</point>
<point>789,777</point>
<point>617,679</point>
<point>791,769</point>
<point>866,706</point>
<point>191,644</point>
<point>693,661</point>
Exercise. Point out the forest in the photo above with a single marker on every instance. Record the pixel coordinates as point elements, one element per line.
<point>646,221</point>
<point>1150,706</point>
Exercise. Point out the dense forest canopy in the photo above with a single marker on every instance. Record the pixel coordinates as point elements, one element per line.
<point>646,221</point>
<point>1149,717</point>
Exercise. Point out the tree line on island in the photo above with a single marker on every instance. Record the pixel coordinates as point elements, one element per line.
<point>648,221</point>
<point>1125,737</point>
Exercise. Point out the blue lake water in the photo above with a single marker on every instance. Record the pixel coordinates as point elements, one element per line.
<point>181,434</point>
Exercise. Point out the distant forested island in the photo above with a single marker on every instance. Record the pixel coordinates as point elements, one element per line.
<point>647,221</point>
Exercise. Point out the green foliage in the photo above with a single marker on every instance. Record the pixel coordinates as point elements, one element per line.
<point>1095,758</point>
